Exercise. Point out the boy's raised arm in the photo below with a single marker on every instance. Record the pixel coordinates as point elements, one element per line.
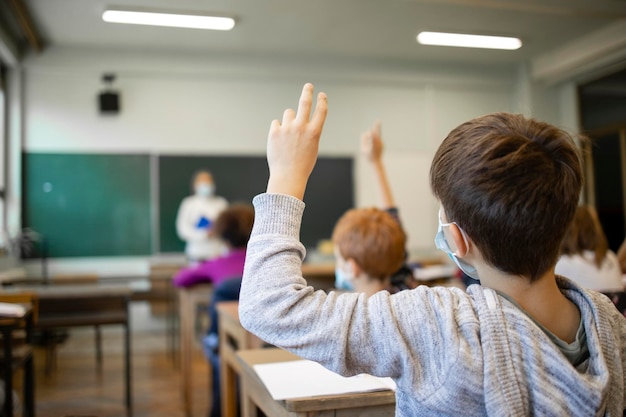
<point>344,332</point>
<point>293,144</point>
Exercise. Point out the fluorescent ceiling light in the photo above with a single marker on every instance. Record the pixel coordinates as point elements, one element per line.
<point>169,19</point>
<point>468,41</point>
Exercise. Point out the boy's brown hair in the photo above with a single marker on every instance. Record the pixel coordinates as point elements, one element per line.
<point>512,184</point>
<point>373,238</point>
<point>585,233</point>
<point>234,225</point>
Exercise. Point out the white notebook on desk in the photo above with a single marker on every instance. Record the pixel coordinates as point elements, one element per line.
<point>303,378</point>
<point>12,310</point>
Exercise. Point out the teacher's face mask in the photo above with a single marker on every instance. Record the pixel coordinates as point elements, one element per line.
<point>205,189</point>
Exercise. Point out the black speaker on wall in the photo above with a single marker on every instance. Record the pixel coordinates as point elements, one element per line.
<point>109,102</point>
<point>109,99</point>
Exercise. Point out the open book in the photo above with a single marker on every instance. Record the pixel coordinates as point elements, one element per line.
<point>12,310</point>
<point>304,378</point>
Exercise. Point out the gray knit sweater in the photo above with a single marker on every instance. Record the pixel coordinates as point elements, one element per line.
<point>451,353</point>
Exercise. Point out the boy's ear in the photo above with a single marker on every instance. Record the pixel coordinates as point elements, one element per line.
<point>461,245</point>
<point>354,267</point>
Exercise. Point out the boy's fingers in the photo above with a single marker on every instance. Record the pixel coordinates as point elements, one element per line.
<point>366,140</point>
<point>288,116</point>
<point>376,130</point>
<point>305,103</point>
<point>275,125</point>
<point>319,115</point>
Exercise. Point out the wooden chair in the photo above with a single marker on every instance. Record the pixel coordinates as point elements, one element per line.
<point>51,335</point>
<point>107,306</point>
<point>17,352</point>
<point>74,279</point>
<point>161,275</point>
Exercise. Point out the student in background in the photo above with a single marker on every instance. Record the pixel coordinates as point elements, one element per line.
<point>372,147</point>
<point>585,255</point>
<point>233,226</point>
<point>524,342</point>
<point>369,248</point>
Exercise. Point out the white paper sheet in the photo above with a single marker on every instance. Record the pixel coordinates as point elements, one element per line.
<point>303,378</point>
<point>12,310</point>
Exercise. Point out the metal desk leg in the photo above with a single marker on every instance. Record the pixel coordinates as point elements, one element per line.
<point>185,339</point>
<point>7,336</point>
<point>128,369</point>
<point>98,332</point>
<point>29,388</point>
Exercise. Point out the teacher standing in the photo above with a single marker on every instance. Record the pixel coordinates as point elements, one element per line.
<point>196,215</point>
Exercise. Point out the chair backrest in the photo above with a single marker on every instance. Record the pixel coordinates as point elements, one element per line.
<point>72,279</point>
<point>88,306</point>
<point>164,270</point>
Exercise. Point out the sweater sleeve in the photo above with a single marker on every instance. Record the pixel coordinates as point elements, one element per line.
<point>347,333</point>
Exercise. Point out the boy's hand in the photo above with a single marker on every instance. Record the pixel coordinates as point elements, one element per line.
<point>372,143</point>
<point>292,145</point>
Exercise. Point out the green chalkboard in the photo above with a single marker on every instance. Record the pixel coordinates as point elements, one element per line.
<point>88,204</point>
<point>329,194</point>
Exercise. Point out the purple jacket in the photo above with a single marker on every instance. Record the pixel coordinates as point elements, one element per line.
<point>214,271</point>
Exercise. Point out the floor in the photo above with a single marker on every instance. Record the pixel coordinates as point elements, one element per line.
<point>76,388</point>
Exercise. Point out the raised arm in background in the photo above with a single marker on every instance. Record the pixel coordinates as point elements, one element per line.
<point>372,147</point>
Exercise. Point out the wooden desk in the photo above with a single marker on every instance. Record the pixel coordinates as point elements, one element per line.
<point>24,356</point>
<point>255,396</point>
<point>321,276</point>
<point>12,275</point>
<point>86,305</point>
<point>318,275</point>
<point>161,287</point>
<point>232,337</point>
<point>189,299</point>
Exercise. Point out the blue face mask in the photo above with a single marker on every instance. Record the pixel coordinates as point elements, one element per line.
<point>442,244</point>
<point>205,189</point>
<point>343,280</point>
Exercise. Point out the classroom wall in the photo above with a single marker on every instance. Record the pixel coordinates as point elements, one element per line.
<point>14,136</point>
<point>3,169</point>
<point>185,104</point>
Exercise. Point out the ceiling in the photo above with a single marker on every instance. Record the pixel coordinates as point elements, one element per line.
<point>381,30</point>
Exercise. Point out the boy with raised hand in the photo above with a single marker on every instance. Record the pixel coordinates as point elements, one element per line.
<point>369,250</point>
<point>372,147</point>
<point>525,342</point>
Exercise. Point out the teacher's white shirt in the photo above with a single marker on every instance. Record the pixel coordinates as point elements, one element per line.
<point>195,218</point>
